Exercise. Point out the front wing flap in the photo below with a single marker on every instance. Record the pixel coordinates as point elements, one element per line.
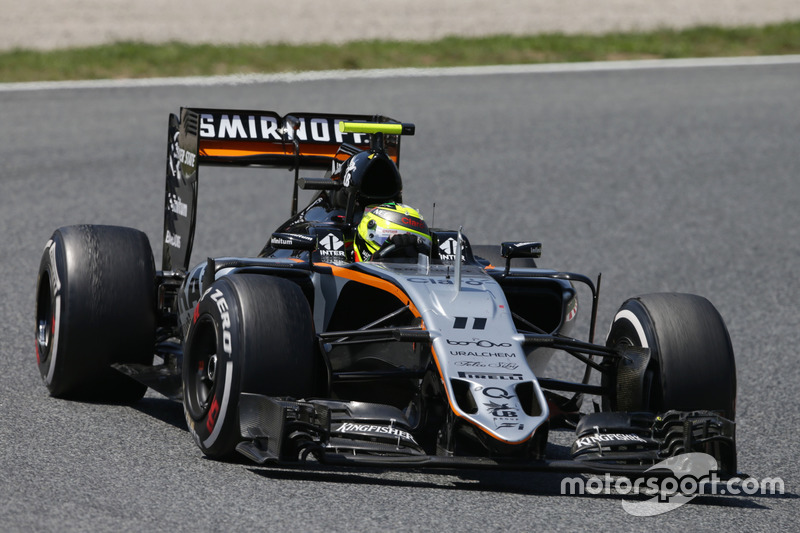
<point>635,438</point>
<point>277,430</point>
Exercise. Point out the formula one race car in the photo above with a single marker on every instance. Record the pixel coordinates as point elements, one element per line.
<point>432,353</point>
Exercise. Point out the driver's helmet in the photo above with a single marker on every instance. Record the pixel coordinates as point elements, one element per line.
<point>383,222</point>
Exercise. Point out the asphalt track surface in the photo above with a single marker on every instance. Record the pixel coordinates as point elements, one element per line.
<point>674,179</point>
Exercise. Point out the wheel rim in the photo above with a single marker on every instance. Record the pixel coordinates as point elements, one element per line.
<point>45,320</point>
<point>203,370</point>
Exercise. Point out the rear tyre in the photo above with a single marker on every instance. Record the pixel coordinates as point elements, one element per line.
<point>250,333</point>
<point>691,364</point>
<point>95,306</point>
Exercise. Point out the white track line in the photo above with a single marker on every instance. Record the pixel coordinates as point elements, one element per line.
<point>323,75</point>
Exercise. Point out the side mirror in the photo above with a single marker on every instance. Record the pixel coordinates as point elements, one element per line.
<point>511,250</point>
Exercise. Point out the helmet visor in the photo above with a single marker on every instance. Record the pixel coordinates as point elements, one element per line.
<point>379,235</point>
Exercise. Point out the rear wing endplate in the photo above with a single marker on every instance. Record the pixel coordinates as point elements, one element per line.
<point>224,137</point>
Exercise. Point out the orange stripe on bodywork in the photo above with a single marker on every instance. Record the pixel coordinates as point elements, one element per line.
<point>384,285</point>
<point>396,291</point>
<point>228,148</point>
<point>372,281</point>
<point>254,148</point>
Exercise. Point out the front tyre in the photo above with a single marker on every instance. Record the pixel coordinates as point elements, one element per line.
<point>250,333</point>
<point>691,364</point>
<point>95,306</point>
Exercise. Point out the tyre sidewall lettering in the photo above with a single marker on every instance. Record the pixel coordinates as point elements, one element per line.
<point>215,418</point>
<point>271,353</point>
<point>220,307</point>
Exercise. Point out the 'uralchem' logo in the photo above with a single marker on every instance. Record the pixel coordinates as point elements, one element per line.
<point>692,474</point>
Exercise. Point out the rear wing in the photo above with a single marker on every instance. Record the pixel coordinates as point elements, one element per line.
<point>225,137</point>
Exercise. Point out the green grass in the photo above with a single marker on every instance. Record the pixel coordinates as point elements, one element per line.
<point>137,60</point>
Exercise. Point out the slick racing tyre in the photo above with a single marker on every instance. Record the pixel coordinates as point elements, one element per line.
<point>691,358</point>
<point>250,333</point>
<point>95,306</point>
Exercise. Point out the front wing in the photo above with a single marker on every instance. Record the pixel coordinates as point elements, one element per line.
<point>282,431</point>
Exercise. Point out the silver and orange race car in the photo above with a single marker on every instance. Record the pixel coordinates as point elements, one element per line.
<point>433,359</point>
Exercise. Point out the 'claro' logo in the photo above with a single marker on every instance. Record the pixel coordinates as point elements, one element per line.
<point>480,343</point>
